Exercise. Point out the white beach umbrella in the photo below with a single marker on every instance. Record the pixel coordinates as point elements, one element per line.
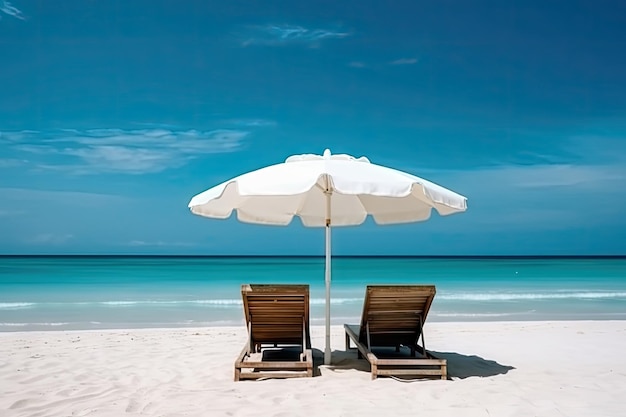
<point>327,190</point>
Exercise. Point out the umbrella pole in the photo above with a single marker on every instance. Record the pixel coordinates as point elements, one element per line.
<point>327,350</point>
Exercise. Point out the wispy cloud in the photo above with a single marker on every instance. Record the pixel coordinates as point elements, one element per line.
<point>33,197</point>
<point>578,162</point>
<point>141,151</point>
<point>528,218</point>
<point>50,239</point>
<point>277,35</point>
<point>598,148</point>
<point>550,176</point>
<point>541,197</point>
<point>584,162</point>
<point>252,122</point>
<point>7,8</point>
<point>382,65</point>
<point>357,64</point>
<point>574,186</point>
<point>11,162</point>
<point>515,178</point>
<point>404,61</point>
<point>158,243</point>
<point>11,213</point>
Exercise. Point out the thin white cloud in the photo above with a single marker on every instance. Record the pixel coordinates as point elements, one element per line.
<point>578,185</point>
<point>381,65</point>
<point>122,159</point>
<point>588,162</point>
<point>11,163</point>
<point>11,213</point>
<point>50,239</point>
<point>7,8</point>
<point>45,197</point>
<point>584,163</point>
<point>540,197</point>
<point>159,243</point>
<point>598,148</point>
<point>569,176</point>
<point>252,122</point>
<point>404,61</point>
<point>527,218</point>
<point>357,64</point>
<point>277,35</point>
<point>141,151</point>
<point>545,178</point>
<point>15,136</point>
<point>552,176</point>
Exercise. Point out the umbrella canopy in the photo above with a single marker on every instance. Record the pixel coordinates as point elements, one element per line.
<point>323,191</point>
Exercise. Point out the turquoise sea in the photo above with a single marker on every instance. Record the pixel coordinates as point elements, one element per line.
<point>83,292</point>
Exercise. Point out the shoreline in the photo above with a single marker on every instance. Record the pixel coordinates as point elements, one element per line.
<point>236,327</point>
<point>315,322</point>
<point>544,368</point>
<point>318,322</point>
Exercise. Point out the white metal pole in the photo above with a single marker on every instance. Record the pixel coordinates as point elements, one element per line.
<point>327,279</point>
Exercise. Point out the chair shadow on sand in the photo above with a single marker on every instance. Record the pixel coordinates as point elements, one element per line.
<point>464,366</point>
<point>460,366</point>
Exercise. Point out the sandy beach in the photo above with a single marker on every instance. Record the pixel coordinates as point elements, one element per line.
<point>573,368</point>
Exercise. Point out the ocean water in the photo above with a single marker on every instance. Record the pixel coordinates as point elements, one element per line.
<point>58,293</point>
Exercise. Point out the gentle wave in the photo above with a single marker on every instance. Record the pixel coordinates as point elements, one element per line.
<point>53,324</point>
<point>163,302</point>
<point>475,315</point>
<point>124,303</point>
<point>315,301</point>
<point>530,296</point>
<point>11,306</point>
<point>227,303</point>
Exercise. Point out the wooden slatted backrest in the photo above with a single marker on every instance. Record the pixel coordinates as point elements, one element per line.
<point>276,313</point>
<point>393,313</point>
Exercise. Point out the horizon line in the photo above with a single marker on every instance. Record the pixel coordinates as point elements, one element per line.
<point>605,256</point>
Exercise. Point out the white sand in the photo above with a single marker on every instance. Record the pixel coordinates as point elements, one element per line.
<point>498,369</point>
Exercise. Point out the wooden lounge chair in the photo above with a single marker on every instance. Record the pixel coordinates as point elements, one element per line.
<point>279,341</point>
<point>393,317</point>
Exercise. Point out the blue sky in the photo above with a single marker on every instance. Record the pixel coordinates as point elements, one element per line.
<point>113,114</point>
